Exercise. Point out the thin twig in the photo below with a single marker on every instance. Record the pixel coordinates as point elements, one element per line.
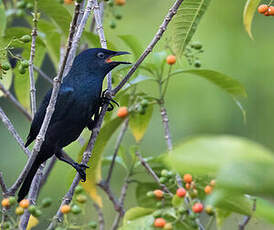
<point>43,74</point>
<point>166,126</point>
<point>100,216</point>
<point>118,217</point>
<point>116,149</point>
<point>153,174</point>
<point>154,41</point>
<point>2,184</point>
<point>31,59</point>
<point>17,104</point>
<point>117,206</point>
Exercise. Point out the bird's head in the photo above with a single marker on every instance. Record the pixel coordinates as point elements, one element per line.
<point>97,60</point>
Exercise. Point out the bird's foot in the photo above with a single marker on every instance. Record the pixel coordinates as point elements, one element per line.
<point>105,99</point>
<point>81,169</point>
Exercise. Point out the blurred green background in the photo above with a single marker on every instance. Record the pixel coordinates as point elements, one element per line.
<point>194,105</point>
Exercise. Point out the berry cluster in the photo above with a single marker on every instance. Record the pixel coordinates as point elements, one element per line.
<point>21,7</point>
<point>187,198</point>
<point>116,15</point>
<point>266,10</point>
<point>192,54</point>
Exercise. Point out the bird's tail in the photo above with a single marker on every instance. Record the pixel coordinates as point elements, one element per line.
<point>27,182</point>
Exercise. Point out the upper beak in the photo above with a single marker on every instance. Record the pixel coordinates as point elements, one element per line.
<point>118,53</point>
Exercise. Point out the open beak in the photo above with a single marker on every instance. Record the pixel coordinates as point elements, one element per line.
<point>108,60</point>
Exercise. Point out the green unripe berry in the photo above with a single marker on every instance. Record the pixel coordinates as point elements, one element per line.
<point>5,66</point>
<point>164,173</point>
<point>159,204</point>
<point>32,209</point>
<point>118,16</point>
<point>81,198</point>
<point>79,1</point>
<point>196,45</point>
<point>25,63</point>
<point>79,189</point>
<point>170,174</point>
<point>112,25</point>
<point>21,69</point>
<point>193,216</point>
<point>197,64</point>
<point>12,200</point>
<point>110,3</point>
<point>37,213</point>
<point>150,194</point>
<point>6,225</point>
<point>209,210</point>
<point>46,202</point>
<point>19,211</point>
<point>92,224</point>
<point>144,103</point>
<point>25,38</point>
<point>182,210</point>
<point>171,181</point>
<point>162,180</point>
<point>76,209</point>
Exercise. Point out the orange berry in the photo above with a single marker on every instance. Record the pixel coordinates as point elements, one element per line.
<point>5,202</point>
<point>168,226</point>
<point>181,192</point>
<point>68,2</point>
<point>187,178</point>
<point>158,193</point>
<point>187,186</point>
<point>120,2</point>
<point>65,209</point>
<point>197,207</point>
<point>171,59</point>
<point>266,13</point>
<point>262,9</point>
<point>271,10</point>
<point>212,183</point>
<point>122,112</point>
<point>24,203</point>
<point>159,222</point>
<point>208,189</point>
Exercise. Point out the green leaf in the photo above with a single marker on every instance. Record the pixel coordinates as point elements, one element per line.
<point>177,201</point>
<point>231,86</point>
<point>57,13</point>
<point>231,202</point>
<point>156,62</point>
<point>205,155</point>
<point>264,210</point>
<point>226,83</point>
<point>248,14</point>
<point>138,123</point>
<point>94,170</point>
<point>138,79</point>
<point>135,213</point>
<point>3,19</point>
<point>186,21</point>
<point>142,223</point>
<point>133,43</point>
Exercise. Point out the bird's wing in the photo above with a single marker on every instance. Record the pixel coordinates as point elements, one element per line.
<point>64,100</point>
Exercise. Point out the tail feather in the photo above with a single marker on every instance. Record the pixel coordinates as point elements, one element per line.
<point>27,182</point>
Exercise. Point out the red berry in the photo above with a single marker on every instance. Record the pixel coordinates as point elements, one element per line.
<point>187,178</point>
<point>158,193</point>
<point>159,222</point>
<point>122,112</point>
<point>271,10</point>
<point>197,207</point>
<point>262,9</point>
<point>181,192</point>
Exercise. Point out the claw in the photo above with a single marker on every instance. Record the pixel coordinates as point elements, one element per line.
<point>81,169</point>
<point>105,99</point>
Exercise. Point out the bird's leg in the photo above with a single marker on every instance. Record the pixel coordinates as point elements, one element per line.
<point>92,122</point>
<point>106,100</point>
<point>80,168</point>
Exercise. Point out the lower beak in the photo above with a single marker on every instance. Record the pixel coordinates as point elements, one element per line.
<point>119,53</point>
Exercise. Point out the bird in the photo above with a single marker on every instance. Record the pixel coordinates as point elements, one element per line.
<point>77,107</point>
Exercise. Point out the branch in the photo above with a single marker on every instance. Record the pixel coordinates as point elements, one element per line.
<point>116,149</point>
<point>2,184</point>
<point>166,126</point>
<point>153,174</point>
<point>31,59</point>
<point>100,216</point>
<point>157,37</point>
<point>17,104</point>
<point>118,217</point>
